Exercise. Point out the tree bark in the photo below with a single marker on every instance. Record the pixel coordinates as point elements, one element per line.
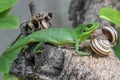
<point>55,63</point>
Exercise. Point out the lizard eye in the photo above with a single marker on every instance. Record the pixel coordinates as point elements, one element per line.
<point>89,25</point>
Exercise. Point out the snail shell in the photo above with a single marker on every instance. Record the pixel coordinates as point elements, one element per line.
<point>100,46</point>
<point>110,33</point>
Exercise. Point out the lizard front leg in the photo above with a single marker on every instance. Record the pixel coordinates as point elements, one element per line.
<point>37,48</point>
<point>80,52</point>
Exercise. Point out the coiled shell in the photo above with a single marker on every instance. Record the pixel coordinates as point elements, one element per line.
<point>100,46</point>
<point>111,34</point>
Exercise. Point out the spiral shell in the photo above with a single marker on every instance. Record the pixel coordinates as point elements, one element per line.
<point>111,34</point>
<point>100,46</point>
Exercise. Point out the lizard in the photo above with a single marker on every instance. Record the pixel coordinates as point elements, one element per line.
<point>55,36</point>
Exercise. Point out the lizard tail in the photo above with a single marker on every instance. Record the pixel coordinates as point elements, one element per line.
<point>11,53</point>
<point>20,43</point>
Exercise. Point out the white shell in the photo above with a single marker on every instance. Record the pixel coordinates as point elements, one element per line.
<point>100,46</point>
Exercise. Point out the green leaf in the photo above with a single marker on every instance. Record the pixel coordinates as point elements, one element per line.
<point>9,22</point>
<point>111,15</point>
<point>6,4</point>
<point>7,76</point>
<point>116,48</point>
<point>3,14</point>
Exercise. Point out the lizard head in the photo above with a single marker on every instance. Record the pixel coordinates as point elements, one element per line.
<point>85,30</point>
